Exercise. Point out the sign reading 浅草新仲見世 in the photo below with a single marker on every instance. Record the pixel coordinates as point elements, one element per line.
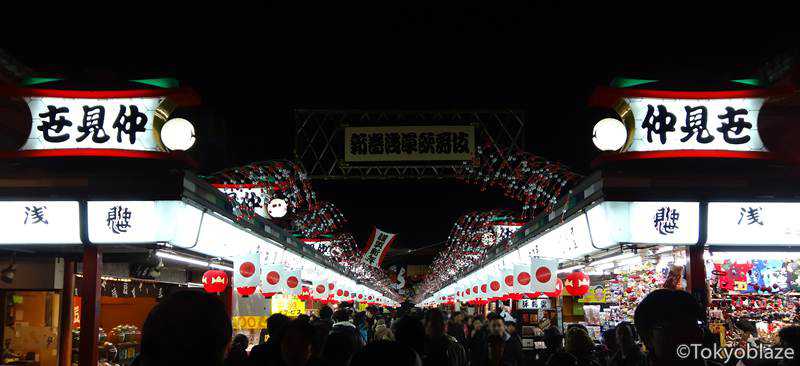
<point>409,143</point>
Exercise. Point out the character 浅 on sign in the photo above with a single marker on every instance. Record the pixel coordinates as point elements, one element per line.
<point>697,122</point>
<point>119,219</point>
<point>659,124</point>
<point>750,215</point>
<point>409,142</point>
<point>93,119</point>
<point>35,215</point>
<point>666,220</point>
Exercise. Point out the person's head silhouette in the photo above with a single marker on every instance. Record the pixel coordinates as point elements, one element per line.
<point>186,328</point>
<point>667,319</point>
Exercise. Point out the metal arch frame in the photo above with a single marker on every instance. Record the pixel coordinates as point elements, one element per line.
<point>319,144</point>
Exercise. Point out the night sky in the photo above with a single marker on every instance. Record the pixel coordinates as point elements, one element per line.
<point>254,64</point>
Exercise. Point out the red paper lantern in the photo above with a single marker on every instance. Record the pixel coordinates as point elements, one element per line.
<point>215,281</point>
<point>246,291</point>
<point>577,284</point>
<point>557,291</point>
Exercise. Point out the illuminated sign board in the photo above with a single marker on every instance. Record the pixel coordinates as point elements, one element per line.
<point>143,222</point>
<point>409,143</point>
<point>39,222</point>
<point>79,123</point>
<point>661,124</point>
<point>753,223</point>
<point>673,223</point>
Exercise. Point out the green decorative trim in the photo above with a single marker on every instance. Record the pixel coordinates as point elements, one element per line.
<point>166,83</point>
<point>753,82</point>
<point>627,82</point>
<point>37,81</point>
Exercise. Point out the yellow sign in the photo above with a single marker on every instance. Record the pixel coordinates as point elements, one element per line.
<point>597,294</point>
<point>362,306</point>
<point>288,305</point>
<point>249,322</point>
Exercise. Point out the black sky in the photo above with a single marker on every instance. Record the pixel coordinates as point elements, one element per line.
<point>255,63</point>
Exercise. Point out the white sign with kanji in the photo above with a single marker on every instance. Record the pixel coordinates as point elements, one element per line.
<point>695,124</point>
<point>39,222</point>
<point>78,123</point>
<point>753,223</point>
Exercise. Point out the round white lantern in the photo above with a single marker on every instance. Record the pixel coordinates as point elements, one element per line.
<point>178,134</point>
<point>609,134</point>
<point>277,208</point>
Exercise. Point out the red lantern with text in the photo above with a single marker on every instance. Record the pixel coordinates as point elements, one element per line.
<point>577,284</point>
<point>557,291</point>
<point>215,281</point>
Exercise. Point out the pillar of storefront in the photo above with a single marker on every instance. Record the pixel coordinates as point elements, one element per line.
<point>90,305</point>
<point>65,318</point>
<point>696,275</point>
<point>227,298</point>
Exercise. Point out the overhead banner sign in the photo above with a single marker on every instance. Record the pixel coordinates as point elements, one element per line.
<point>255,198</point>
<point>695,124</point>
<point>378,244</point>
<point>753,223</point>
<point>77,123</point>
<point>409,143</point>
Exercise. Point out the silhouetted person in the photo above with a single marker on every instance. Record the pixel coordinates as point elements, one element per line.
<point>628,352</point>
<point>409,331</point>
<point>341,345</point>
<point>386,353</point>
<point>477,343</point>
<point>237,355</point>
<point>342,324</point>
<point>455,328</point>
<point>440,348</point>
<point>296,343</point>
<point>579,344</point>
<point>609,347</point>
<point>554,343</point>
<point>269,353</point>
<point>562,359</point>
<point>186,328</point>
<point>360,322</point>
<point>502,348</point>
<point>789,338</point>
<point>666,319</point>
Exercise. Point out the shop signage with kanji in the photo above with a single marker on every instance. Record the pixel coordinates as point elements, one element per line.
<point>753,223</point>
<point>39,222</point>
<point>78,123</point>
<point>255,199</point>
<point>613,223</point>
<point>409,143</point>
<point>695,124</point>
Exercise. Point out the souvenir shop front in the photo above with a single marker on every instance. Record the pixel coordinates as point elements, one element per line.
<point>682,198</point>
<point>102,220</point>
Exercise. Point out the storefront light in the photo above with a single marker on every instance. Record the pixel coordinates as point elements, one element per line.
<point>749,256</point>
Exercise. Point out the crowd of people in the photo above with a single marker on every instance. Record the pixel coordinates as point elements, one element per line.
<point>193,328</point>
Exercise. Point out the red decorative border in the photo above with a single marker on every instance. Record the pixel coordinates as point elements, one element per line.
<point>680,154</point>
<point>101,153</point>
<point>386,250</point>
<point>235,186</point>
<point>606,96</point>
<point>181,96</point>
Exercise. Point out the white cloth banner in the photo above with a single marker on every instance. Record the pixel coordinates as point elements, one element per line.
<point>319,289</point>
<point>247,270</point>
<point>522,279</point>
<point>378,244</point>
<point>272,277</point>
<point>544,274</point>
<point>293,283</point>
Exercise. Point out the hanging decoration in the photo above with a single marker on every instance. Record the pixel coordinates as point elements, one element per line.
<point>215,281</point>
<point>558,290</point>
<point>534,181</point>
<point>246,273</point>
<point>577,283</point>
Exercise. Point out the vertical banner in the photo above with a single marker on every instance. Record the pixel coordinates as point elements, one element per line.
<point>523,278</point>
<point>272,278</point>
<point>319,289</point>
<point>544,275</point>
<point>293,282</point>
<point>247,270</point>
<point>378,244</point>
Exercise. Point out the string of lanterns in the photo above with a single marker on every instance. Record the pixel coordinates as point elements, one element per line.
<point>470,238</point>
<point>534,181</point>
<point>287,182</point>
